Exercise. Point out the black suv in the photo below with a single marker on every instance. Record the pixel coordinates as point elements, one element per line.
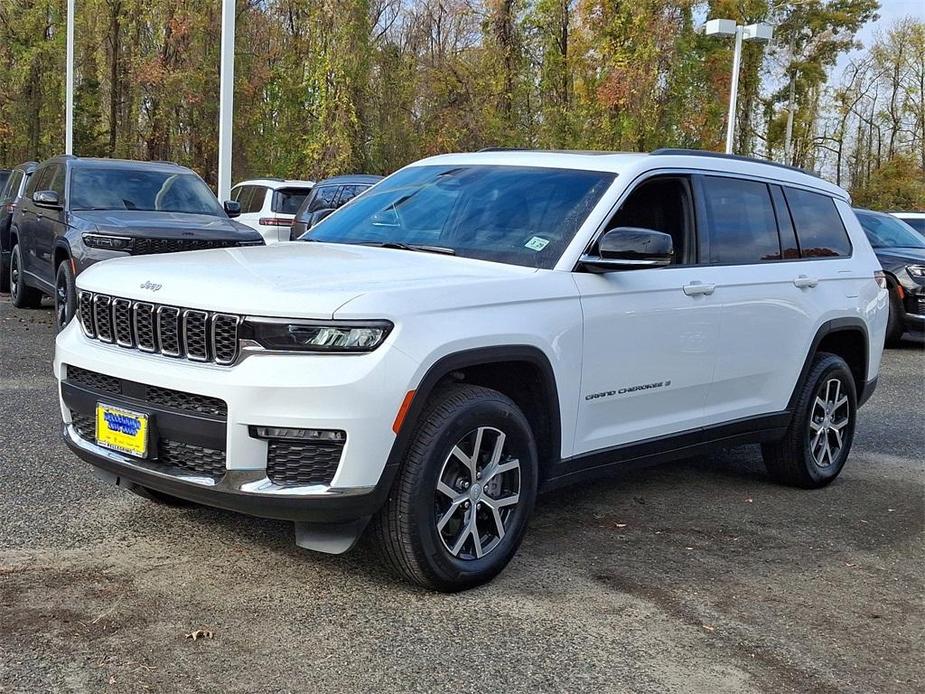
<point>901,252</point>
<point>76,212</point>
<point>327,196</point>
<point>10,193</point>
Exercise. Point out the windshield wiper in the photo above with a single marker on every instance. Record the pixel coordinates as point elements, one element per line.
<point>408,247</point>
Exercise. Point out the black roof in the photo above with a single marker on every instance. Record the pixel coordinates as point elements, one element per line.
<point>106,163</point>
<point>350,178</point>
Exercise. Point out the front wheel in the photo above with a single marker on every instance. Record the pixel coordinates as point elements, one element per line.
<point>65,295</point>
<point>817,443</point>
<point>459,507</point>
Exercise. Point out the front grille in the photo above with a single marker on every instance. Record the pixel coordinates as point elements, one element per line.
<point>168,330</point>
<point>302,463</point>
<point>198,459</point>
<point>163,397</point>
<point>147,246</point>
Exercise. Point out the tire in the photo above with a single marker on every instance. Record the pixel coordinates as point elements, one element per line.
<point>65,295</point>
<point>799,459</point>
<point>406,528</point>
<point>22,295</point>
<point>160,497</point>
<point>894,325</point>
<point>4,276</point>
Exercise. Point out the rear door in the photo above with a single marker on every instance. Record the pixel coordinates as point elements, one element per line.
<point>773,293</point>
<point>27,220</point>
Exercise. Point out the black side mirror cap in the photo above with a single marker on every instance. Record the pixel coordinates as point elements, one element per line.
<point>47,198</point>
<point>630,248</point>
<point>232,208</point>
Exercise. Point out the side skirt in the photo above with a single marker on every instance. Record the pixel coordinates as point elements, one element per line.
<point>664,449</point>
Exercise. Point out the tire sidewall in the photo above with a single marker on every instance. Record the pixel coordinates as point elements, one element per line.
<point>448,569</point>
<point>65,274</point>
<point>833,366</point>
<point>17,290</point>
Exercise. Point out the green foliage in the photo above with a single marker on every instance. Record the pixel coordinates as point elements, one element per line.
<point>897,185</point>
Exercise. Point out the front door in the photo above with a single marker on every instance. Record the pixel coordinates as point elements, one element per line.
<point>650,335</point>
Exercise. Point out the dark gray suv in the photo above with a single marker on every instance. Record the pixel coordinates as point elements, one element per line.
<point>75,212</point>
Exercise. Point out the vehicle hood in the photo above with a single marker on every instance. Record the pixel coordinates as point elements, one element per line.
<point>162,225</point>
<point>893,258</point>
<point>296,280</point>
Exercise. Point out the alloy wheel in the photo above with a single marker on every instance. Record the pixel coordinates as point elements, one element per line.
<point>477,492</point>
<point>829,415</point>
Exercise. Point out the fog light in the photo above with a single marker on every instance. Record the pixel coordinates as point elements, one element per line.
<point>298,434</point>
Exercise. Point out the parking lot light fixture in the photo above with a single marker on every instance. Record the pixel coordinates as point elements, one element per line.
<point>759,33</point>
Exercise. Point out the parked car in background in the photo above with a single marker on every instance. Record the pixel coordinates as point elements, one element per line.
<point>10,193</point>
<point>76,212</point>
<point>327,196</point>
<point>914,219</point>
<point>473,329</point>
<point>268,205</point>
<point>901,252</point>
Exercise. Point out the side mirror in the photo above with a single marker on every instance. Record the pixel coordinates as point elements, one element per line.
<point>47,198</point>
<point>630,248</point>
<point>232,208</point>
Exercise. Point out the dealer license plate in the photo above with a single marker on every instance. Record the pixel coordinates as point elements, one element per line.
<point>122,430</point>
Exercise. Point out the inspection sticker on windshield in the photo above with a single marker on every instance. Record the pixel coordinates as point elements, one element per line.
<point>537,243</point>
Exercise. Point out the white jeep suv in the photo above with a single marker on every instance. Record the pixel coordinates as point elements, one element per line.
<point>478,328</point>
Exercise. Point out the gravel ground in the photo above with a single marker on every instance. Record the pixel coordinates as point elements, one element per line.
<point>694,576</point>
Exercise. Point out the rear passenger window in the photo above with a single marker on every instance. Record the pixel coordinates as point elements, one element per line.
<point>818,225</point>
<point>324,198</point>
<point>741,221</point>
<point>256,199</point>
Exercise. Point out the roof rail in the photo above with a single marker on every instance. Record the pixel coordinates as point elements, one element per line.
<point>734,157</point>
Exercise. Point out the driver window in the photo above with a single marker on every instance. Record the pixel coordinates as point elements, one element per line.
<point>661,204</point>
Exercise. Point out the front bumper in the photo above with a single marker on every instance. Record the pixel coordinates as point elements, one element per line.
<point>244,491</point>
<point>358,394</point>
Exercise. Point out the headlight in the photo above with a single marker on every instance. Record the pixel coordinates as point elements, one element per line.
<point>108,242</point>
<point>917,271</point>
<point>316,336</point>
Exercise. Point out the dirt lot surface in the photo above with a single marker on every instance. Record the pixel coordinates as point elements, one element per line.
<point>695,576</point>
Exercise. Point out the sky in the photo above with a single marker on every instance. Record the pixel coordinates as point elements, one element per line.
<point>890,11</point>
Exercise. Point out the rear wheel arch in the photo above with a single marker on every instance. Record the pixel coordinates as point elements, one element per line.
<point>849,339</point>
<point>521,372</point>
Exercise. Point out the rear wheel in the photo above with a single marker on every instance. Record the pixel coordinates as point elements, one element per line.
<point>817,443</point>
<point>459,507</point>
<point>22,295</point>
<point>4,275</point>
<point>65,295</point>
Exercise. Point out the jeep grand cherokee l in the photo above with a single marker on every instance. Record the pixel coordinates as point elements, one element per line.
<point>76,212</point>
<point>473,330</point>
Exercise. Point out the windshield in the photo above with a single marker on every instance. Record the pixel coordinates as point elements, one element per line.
<point>518,215</point>
<point>884,231</point>
<point>139,189</point>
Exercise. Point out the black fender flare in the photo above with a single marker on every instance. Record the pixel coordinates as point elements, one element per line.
<point>846,324</point>
<point>479,356</point>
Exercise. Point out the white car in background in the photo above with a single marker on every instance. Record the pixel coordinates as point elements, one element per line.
<point>914,219</point>
<point>269,205</point>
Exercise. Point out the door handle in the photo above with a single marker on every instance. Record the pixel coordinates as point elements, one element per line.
<point>804,282</point>
<point>697,287</point>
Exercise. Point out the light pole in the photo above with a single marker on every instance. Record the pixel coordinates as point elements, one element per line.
<point>69,83</point>
<point>226,101</point>
<point>760,33</point>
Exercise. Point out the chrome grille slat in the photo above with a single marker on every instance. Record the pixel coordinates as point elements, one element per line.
<point>122,322</point>
<point>159,329</point>
<point>168,330</point>
<point>195,335</point>
<point>102,317</point>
